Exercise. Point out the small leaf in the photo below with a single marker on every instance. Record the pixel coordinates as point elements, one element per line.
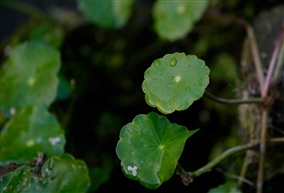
<point>228,187</point>
<point>29,77</point>
<point>31,130</point>
<point>47,32</point>
<point>107,14</point>
<point>58,174</point>
<point>175,81</point>
<point>149,148</point>
<point>174,19</point>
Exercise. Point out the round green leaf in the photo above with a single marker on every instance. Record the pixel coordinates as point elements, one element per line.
<point>29,77</point>
<point>149,148</point>
<point>174,19</point>
<point>58,174</point>
<point>175,81</point>
<point>31,130</point>
<point>107,14</point>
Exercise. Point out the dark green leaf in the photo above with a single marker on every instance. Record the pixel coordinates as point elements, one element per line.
<point>175,81</point>
<point>61,174</point>
<point>149,148</point>
<point>31,130</point>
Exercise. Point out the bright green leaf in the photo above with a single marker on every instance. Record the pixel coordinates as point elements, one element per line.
<point>175,81</point>
<point>174,19</point>
<point>107,14</point>
<point>61,174</point>
<point>149,148</point>
<point>228,187</point>
<point>29,77</point>
<point>31,130</point>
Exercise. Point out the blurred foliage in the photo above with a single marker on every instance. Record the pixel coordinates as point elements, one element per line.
<point>98,87</point>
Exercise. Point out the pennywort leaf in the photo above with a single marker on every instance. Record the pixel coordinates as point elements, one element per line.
<point>173,82</point>
<point>29,77</point>
<point>174,19</point>
<point>149,148</point>
<point>31,130</point>
<point>58,174</point>
<point>107,14</point>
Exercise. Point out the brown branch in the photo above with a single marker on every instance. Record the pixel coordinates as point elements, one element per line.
<point>262,149</point>
<point>255,53</point>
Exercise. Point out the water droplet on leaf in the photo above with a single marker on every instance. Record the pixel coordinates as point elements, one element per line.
<point>173,62</point>
<point>200,81</point>
<point>188,89</point>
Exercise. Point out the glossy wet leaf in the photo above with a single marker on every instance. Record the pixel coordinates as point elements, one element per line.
<point>29,76</point>
<point>173,82</point>
<point>58,175</point>
<point>228,187</point>
<point>149,148</point>
<point>174,19</point>
<point>31,130</point>
<point>107,14</point>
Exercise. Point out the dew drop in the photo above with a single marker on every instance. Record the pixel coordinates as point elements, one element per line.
<point>156,63</point>
<point>146,74</point>
<point>173,62</point>
<point>200,81</point>
<point>188,89</point>
<point>171,77</point>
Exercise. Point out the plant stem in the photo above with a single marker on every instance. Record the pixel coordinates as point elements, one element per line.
<point>280,63</point>
<point>262,149</point>
<point>221,157</point>
<point>231,101</point>
<point>255,55</point>
<point>187,177</point>
<point>272,65</point>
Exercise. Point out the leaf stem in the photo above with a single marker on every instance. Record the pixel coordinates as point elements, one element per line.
<point>262,150</point>
<point>220,158</point>
<point>272,64</point>
<point>231,101</point>
<point>187,177</point>
<point>255,54</point>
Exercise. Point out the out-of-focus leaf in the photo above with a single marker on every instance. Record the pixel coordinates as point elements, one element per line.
<point>228,187</point>
<point>174,19</point>
<point>31,130</point>
<point>107,14</point>
<point>149,148</point>
<point>48,33</point>
<point>99,175</point>
<point>61,174</point>
<point>29,77</point>
<point>173,82</point>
